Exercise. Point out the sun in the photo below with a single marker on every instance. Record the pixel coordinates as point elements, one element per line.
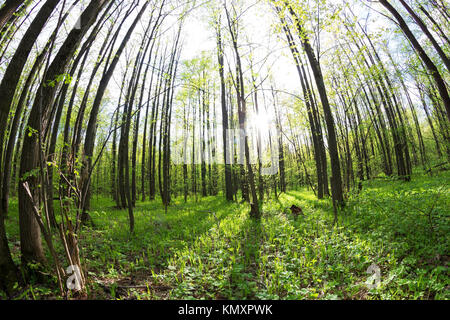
<point>261,121</point>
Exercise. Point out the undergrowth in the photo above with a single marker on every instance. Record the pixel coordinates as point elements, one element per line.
<point>212,249</point>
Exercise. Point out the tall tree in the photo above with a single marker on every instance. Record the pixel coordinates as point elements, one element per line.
<point>92,124</point>
<point>427,32</point>
<point>336,180</point>
<point>15,67</point>
<point>441,86</point>
<point>226,151</point>
<point>32,158</point>
<point>8,9</point>
<point>242,116</point>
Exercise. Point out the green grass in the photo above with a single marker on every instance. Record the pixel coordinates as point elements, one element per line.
<point>188,253</point>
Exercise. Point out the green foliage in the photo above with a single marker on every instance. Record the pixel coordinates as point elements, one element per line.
<point>190,253</point>
<point>62,78</point>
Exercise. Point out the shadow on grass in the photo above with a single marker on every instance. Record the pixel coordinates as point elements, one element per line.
<point>158,236</point>
<point>244,274</point>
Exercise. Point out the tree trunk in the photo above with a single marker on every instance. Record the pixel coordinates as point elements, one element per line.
<point>38,122</point>
<point>336,180</point>
<point>8,9</point>
<point>242,114</point>
<point>423,55</point>
<point>92,124</point>
<point>427,32</point>
<point>15,67</point>
<point>226,147</point>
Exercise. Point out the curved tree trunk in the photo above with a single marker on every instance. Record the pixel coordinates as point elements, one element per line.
<point>92,124</point>
<point>38,122</point>
<point>442,88</point>
<point>8,9</point>
<point>336,179</point>
<point>15,67</point>
<point>427,32</point>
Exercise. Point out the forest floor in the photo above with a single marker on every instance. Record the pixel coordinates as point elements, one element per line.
<point>399,228</point>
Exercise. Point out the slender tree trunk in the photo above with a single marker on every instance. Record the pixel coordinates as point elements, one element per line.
<point>8,9</point>
<point>19,114</point>
<point>226,147</point>
<point>14,70</point>
<point>423,55</point>
<point>336,180</point>
<point>38,122</point>
<point>427,32</point>
<point>92,124</point>
<point>242,113</point>
<point>436,25</point>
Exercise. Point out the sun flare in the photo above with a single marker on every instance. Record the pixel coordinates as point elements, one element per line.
<point>261,121</point>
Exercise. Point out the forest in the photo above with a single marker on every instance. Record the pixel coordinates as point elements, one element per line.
<point>224,149</point>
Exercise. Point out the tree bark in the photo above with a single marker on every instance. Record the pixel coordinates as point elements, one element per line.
<point>423,55</point>
<point>38,122</point>
<point>92,124</point>
<point>226,147</point>
<point>8,9</point>
<point>427,32</point>
<point>336,179</point>
<point>15,67</point>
